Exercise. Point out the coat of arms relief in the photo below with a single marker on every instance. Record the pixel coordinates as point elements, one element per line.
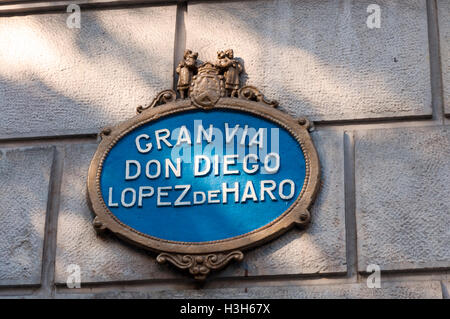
<point>207,82</point>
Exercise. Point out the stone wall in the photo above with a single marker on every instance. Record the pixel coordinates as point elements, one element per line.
<point>380,102</point>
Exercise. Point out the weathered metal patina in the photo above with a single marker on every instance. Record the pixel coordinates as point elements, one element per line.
<point>203,235</point>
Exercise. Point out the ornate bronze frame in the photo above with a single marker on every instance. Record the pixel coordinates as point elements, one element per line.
<point>201,257</point>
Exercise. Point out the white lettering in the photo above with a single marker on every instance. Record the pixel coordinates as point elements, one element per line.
<point>258,139</point>
<point>244,135</point>
<point>158,169</point>
<point>249,193</point>
<point>229,160</point>
<point>267,168</point>
<point>226,190</point>
<point>216,165</point>
<point>205,171</point>
<point>123,197</point>
<point>202,132</point>
<point>184,136</point>
<point>110,202</point>
<point>163,138</point>
<point>267,189</point>
<point>127,169</point>
<point>254,168</point>
<point>212,197</point>
<point>141,193</point>
<point>139,147</point>
<point>161,193</point>
<point>292,190</point>
<point>202,201</point>
<point>229,136</point>
<point>175,170</point>
<point>179,202</point>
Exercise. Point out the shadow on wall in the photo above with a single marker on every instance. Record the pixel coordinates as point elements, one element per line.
<point>319,58</point>
<point>72,81</point>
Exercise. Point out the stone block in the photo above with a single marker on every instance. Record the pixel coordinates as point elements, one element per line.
<point>319,58</point>
<point>320,248</point>
<point>24,186</point>
<point>59,81</point>
<point>444,34</point>
<point>402,202</point>
<point>391,290</point>
<point>102,258</point>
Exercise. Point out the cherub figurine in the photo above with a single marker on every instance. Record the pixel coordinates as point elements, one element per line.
<point>185,70</point>
<point>232,68</point>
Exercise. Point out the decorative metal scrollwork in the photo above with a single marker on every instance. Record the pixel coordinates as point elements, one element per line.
<point>200,265</point>
<point>253,94</point>
<point>165,96</point>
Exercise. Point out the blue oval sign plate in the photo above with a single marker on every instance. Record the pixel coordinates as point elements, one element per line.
<point>181,179</point>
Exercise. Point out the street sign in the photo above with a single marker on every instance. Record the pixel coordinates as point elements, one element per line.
<point>201,179</point>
